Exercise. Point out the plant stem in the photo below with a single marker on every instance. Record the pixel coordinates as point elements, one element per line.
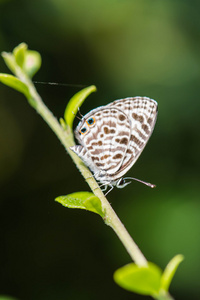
<point>131,247</point>
<point>66,138</point>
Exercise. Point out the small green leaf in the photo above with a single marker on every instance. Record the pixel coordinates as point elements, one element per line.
<point>32,62</point>
<point>82,200</point>
<point>142,280</point>
<point>27,60</point>
<point>62,123</point>
<point>15,83</point>
<point>9,60</point>
<point>75,102</point>
<point>169,271</point>
<point>94,204</point>
<point>19,54</point>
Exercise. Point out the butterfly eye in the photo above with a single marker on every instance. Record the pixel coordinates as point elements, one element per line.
<point>83,130</point>
<point>91,121</point>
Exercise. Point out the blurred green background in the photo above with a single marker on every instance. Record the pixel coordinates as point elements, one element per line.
<point>126,48</point>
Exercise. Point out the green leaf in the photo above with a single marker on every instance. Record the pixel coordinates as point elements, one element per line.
<point>94,204</point>
<point>63,124</point>
<point>9,60</point>
<point>19,54</point>
<point>15,83</point>
<point>32,62</point>
<point>75,102</point>
<point>169,271</point>
<point>142,280</point>
<point>27,60</point>
<point>82,200</point>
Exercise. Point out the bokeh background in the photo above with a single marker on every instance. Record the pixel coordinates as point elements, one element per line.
<point>126,48</point>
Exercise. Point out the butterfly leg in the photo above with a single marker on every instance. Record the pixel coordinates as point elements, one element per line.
<point>121,183</point>
<point>92,176</point>
<point>105,188</point>
<point>109,190</point>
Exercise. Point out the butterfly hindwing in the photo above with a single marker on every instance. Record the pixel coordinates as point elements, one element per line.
<point>142,112</point>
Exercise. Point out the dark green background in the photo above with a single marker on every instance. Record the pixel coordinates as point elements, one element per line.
<point>126,48</point>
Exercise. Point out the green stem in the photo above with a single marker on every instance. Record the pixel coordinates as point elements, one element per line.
<point>66,138</point>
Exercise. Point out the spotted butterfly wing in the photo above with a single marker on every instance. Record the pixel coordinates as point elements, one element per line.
<point>104,134</point>
<point>113,136</point>
<point>142,112</point>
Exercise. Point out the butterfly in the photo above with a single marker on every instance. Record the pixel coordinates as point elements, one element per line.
<point>113,136</point>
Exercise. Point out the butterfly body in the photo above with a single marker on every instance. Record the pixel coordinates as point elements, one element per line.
<point>113,136</point>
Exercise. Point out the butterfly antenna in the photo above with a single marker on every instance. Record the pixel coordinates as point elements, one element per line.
<point>76,116</point>
<point>82,117</point>
<point>79,111</point>
<point>141,181</point>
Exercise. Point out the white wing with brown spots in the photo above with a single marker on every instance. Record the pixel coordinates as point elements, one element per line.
<point>112,137</point>
<point>106,139</point>
<point>142,112</point>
